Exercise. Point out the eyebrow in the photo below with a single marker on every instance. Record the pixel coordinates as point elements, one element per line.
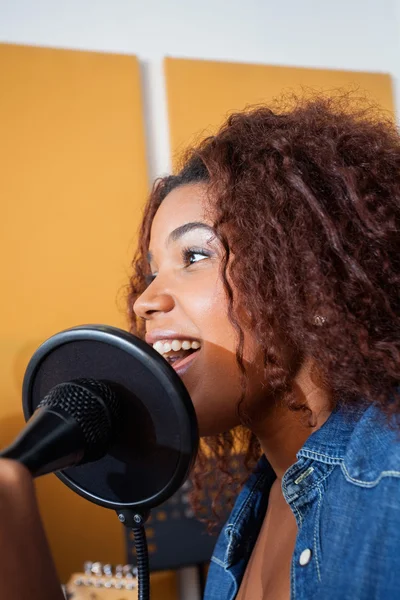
<point>179,232</point>
<point>183,229</point>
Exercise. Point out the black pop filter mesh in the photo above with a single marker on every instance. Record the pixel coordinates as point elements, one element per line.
<point>157,441</point>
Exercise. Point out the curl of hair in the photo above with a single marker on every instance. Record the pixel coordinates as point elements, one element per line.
<point>308,202</point>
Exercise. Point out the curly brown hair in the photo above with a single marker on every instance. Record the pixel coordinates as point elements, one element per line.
<point>308,202</point>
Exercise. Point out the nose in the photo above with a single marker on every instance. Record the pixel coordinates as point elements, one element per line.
<point>154,300</point>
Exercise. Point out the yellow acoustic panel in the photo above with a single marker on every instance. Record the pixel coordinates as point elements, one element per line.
<point>73,181</point>
<point>202,93</point>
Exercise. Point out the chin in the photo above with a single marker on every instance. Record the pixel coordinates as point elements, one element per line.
<point>212,423</point>
<point>215,397</point>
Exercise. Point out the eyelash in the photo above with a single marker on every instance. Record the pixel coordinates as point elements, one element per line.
<point>190,251</point>
<point>186,254</point>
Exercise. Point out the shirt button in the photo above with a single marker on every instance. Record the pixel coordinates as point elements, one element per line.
<point>305,557</point>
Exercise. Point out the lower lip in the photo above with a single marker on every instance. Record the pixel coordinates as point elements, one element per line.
<point>184,364</point>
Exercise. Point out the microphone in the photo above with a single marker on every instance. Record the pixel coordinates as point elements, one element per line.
<point>109,416</point>
<point>75,423</point>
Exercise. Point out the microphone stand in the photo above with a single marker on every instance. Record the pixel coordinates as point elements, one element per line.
<point>135,521</point>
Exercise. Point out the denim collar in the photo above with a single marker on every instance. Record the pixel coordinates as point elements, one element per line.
<point>329,443</point>
<point>241,530</point>
<point>361,439</point>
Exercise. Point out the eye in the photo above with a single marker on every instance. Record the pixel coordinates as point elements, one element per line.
<point>194,255</point>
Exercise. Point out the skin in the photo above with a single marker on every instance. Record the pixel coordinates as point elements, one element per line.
<point>188,297</point>
<point>26,567</point>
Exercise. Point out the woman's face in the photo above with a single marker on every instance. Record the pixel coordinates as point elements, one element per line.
<point>186,301</point>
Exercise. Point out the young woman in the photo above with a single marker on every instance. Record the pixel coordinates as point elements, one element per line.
<point>268,276</point>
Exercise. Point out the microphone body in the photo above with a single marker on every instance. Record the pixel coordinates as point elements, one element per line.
<point>74,424</point>
<point>50,441</point>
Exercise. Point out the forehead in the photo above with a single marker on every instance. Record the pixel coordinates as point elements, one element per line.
<point>184,204</point>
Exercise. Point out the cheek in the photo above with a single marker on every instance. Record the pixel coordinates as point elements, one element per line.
<point>209,312</point>
<point>214,380</point>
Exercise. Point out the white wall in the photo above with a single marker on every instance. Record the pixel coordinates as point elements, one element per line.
<point>343,34</point>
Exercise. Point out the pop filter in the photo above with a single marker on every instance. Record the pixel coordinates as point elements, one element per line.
<point>157,442</point>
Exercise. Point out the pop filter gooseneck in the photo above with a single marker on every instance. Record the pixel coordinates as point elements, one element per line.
<point>156,444</point>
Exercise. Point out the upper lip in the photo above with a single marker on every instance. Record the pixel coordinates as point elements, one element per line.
<point>156,335</point>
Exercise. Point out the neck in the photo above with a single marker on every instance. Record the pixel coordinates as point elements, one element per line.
<point>283,431</point>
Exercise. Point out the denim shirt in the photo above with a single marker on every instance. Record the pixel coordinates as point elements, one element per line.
<point>344,491</point>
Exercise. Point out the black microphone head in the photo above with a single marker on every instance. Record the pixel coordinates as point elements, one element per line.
<point>94,407</point>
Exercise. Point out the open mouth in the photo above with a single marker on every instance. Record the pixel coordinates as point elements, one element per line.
<point>180,365</point>
<point>179,354</point>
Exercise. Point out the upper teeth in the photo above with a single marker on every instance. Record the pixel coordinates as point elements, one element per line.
<point>164,347</point>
